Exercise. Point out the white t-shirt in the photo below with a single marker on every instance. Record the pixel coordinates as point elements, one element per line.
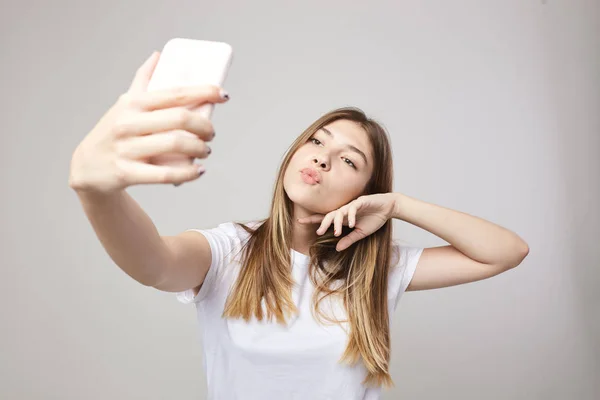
<point>261,360</point>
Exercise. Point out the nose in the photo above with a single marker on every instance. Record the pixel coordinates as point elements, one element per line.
<point>320,161</point>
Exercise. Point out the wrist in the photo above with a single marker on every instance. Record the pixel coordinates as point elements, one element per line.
<point>397,202</point>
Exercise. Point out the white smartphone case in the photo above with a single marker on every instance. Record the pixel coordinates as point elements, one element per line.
<point>189,62</point>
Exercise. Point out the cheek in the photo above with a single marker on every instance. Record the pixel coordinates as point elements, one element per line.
<point>347,186</point>
<point>344,188</point>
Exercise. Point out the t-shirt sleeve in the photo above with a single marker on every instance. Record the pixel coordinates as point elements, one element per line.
<point>404,265</point>
<point>223,241</point>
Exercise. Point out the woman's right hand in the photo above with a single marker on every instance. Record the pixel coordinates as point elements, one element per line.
<point>116,152</point>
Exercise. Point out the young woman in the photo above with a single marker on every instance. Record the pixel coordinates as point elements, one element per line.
<point>296,305</point>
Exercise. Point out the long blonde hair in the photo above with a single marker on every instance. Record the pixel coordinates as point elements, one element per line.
<point>360,272</point>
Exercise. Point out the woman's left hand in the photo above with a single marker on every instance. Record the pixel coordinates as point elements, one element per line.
<point>366,215</point>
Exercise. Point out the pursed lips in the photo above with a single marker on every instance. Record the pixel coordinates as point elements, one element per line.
<point>312,173</point>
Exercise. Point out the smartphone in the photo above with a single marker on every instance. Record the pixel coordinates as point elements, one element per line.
<point>187,62</point>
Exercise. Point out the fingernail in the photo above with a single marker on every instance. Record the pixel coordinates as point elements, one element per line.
<point>209,150</point>
<point>224,94</point>
<point>201,170</point>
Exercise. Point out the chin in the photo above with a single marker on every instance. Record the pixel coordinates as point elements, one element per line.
<point>303,199</point>
<point>306,199</point>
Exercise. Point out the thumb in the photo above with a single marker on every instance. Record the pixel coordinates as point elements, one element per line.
<point>144,73</point>
<point>349,239</point>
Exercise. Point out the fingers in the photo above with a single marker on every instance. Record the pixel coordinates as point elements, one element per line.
<point>182,142</point>
<point>338,221</point>
<point>325,223</point>
<point>337,217</point>
<point>137,124</point>
<point>352,216</point>
<point>349,239</point>
<point>144,73</point>
<point>134,172</point>
<point>313,219</point>
<point>179,97</point>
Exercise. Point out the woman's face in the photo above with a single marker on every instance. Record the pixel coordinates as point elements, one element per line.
<point>329,170</point>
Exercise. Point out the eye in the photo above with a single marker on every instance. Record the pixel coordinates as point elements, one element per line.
<point>346,160</point>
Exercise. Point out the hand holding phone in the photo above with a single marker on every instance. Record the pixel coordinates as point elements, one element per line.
<point>190,62</point>
<point>116,153</point>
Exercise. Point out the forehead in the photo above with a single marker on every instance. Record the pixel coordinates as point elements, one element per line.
<point>350,133</point>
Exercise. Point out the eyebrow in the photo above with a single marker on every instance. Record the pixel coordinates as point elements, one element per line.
<point>350,147</point>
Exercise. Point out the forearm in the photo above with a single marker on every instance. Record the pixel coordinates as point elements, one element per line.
<point>128,234</point>
<point>475,237</point>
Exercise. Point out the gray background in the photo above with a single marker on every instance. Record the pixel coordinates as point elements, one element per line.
<point>493,108</point>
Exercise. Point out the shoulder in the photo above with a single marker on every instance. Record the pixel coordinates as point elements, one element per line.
<point>242,230</point>
<point>232,229</point>
<point>403,263</point>
<point>229,237</point>
<point>404,255</point>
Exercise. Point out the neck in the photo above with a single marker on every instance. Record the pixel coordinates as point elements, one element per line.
<point>303,235</point>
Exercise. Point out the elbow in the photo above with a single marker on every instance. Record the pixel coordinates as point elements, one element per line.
<point>523,251</point>
<point>518,255</point>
